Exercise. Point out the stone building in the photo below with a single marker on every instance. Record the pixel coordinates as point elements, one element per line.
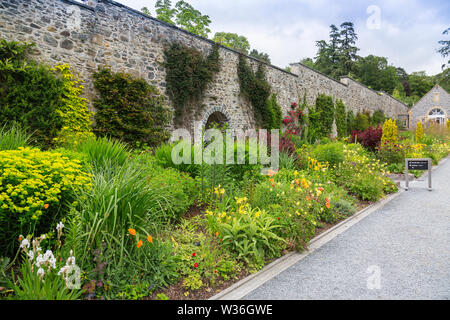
<point>106,33</point>
<point>434,107</point>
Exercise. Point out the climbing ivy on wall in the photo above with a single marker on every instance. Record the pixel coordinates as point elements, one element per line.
<point>256,89</point>
<point>188,73</point>
<point>129,109</point>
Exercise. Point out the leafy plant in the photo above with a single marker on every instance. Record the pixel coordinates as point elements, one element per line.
<point>256,89</point>
<point>103,152</point>
<point>13,137</point>
<point>75,115</point>
<point>129,109</point>
<point>30,93</point>
<point>37,188</point>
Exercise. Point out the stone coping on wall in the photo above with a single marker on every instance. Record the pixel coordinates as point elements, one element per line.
<point>137,12</point>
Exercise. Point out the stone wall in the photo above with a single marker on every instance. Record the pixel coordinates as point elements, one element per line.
<point>108,33</point>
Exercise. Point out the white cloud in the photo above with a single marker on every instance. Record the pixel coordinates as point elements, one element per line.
<point>288,29</point>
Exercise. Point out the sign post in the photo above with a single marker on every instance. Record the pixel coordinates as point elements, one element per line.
<point>417,164</point>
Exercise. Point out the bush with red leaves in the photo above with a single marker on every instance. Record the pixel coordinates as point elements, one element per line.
<point>369,138</point>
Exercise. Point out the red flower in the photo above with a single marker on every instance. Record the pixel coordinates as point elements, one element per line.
<point>193,254</point>
<point>279,218</point>
<point>195,265</point>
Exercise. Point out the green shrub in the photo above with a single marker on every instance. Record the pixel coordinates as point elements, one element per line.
<point>377,118</point>
<point>325,107</point>
<point>13,137</point>
<point>343,208</point>
<point>178,188</point>
<point>341,119</point>
<point>36,188</point>
<point>361,122</point>
<point>275,112</point>
<point>129,109</point>
<point>30,93</point>
<point>287,161</point>
<point>350,122</point>
<point>333,153</point>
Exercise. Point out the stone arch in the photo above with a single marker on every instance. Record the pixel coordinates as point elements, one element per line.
<point>216,114</point>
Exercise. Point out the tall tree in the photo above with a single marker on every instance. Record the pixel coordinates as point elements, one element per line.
<point>445,49</point>
<point>260,55</point>
<point>182,15</point>
<point>347,50</point>
<point>375,73</point>
<point>232,40</point>
<point>191,19</point>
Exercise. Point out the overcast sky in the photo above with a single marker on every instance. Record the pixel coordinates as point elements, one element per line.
<point>407,32</point>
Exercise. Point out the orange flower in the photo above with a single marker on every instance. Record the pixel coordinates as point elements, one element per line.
<point>308,198</point>
<point>139,244</point>
<point>327,204</point>
<point>132,232</point>
<point>150,239</point>
<point>46,206</point>
<point>270,172</point>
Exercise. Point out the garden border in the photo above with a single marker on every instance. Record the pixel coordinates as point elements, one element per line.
<point>243,287</point>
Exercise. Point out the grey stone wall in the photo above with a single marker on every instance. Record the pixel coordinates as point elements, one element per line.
<point>435,98</point>
<point>108,33</point>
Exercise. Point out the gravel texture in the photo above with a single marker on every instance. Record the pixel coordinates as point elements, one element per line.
<point>407,240</point>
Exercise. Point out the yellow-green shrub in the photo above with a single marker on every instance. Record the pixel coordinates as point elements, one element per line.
<point>35,188</point>
<point>75,115</point>
<point>389,132</point>
<point>419,132</point>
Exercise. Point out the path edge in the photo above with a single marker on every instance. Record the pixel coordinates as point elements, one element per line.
<point>243,287</point>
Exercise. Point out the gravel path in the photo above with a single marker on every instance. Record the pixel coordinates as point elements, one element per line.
<point>407,242</point>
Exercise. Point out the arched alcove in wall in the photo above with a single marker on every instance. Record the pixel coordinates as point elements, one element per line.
<point>216,117</point>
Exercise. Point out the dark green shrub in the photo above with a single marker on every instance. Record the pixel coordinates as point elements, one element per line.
<point>341,119</point>
<point>129,109</point>
<point>377,118</point>
<point>275,112</point>
<point>325,107</point>
<point>350,122</point>
<point>361,122</point>
<point>30,94</point>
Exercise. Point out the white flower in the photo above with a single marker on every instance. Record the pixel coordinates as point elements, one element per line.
<point>40,272</point>
<point>39,260</point>
<point>59,226</point>
<point>30,255</point>
<point>25,243</point>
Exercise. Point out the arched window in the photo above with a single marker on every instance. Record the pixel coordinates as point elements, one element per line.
<point>437,115</point>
